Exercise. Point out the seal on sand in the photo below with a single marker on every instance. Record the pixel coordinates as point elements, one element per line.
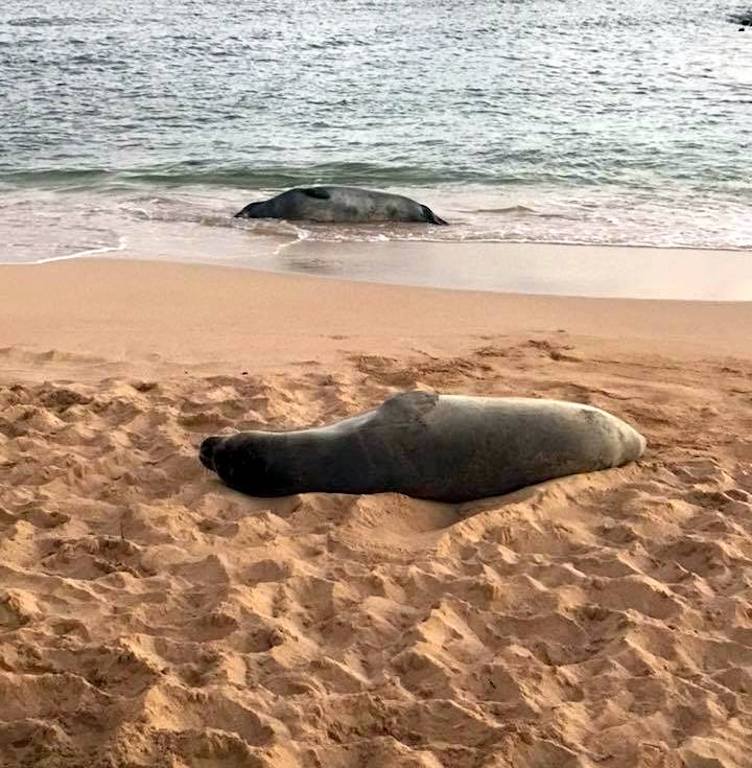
<point>442,447</point>
<point>339,204</point>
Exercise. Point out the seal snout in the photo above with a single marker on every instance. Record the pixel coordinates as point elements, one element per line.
<point>244,213</point>
<point>206,452</point>
<point>251,211</point>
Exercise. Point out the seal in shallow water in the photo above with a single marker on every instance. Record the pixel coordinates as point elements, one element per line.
<point>339,204</point>
<point>442,447</point>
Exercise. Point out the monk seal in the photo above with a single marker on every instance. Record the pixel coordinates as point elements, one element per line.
<point>448,448</point>
<point>339,204</point>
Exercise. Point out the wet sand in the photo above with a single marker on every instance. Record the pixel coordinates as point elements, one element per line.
<point>137,314</point>
<point>150,616</point>
<point>531,268</point>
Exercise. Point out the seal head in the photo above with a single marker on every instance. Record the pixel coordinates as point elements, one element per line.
<point>206,452</point>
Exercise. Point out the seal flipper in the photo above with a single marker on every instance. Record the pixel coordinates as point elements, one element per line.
<point>432,218</point>
<point>409,406</point>
<point>317,193</point>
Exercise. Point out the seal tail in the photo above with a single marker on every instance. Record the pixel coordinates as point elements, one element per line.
<point>432,218</point>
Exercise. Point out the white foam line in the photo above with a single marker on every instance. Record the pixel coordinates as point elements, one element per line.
<point>79,255</point>
<point>301,235</point>
<point>529,241</point>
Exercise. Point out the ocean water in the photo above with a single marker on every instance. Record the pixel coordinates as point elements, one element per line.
<point>140,127</point>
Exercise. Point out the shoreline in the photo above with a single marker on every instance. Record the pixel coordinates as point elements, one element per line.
<point>89,254</point>
<point>139,314</point>
<point>609,272</point>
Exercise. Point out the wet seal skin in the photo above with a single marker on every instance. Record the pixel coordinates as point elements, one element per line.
<point>339,204</point>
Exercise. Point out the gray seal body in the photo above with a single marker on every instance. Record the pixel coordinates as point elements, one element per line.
<point>448,448</point>
<point>339,204</point>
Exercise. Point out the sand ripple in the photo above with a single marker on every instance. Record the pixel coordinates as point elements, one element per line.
<point>149,616</point>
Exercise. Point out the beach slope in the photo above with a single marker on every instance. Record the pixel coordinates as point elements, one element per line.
<point>150,616</point>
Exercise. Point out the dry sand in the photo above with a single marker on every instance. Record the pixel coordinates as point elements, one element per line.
<point>151,617</point>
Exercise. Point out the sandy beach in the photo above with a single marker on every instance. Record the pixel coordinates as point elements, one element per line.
<point>149,616</point>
